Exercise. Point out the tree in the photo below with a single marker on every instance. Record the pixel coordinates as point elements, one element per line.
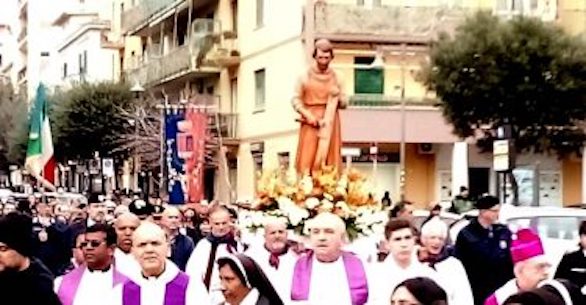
<point>87,119</point>
<point>143,134</point>
<point>13,126</point>
<point>520,72</point>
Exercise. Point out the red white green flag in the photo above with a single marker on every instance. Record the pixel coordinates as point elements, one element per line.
<point>40,161</point>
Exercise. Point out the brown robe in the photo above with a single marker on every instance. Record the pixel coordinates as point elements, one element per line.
<point>312,94</point>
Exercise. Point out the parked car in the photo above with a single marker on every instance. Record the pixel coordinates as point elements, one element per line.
<point>557,227</point>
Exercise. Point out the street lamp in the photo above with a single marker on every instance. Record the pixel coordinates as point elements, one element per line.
<point>379,63</point>
<point>137,89</point>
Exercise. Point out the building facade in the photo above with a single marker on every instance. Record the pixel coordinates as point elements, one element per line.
<point>391,113</point>
<point>245,57</point>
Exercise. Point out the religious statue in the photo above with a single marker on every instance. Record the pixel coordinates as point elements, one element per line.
<point>318,96</point>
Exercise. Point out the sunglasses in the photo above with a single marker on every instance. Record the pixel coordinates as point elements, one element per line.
<point>93,243</point>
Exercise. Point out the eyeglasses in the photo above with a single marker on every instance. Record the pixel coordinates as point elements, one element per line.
<point>93,243</point>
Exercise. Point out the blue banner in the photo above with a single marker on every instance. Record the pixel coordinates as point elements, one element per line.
<point>175,164</point>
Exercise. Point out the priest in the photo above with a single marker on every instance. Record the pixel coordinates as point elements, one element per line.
<point>160,281</point>
<point>275,257</point>
<point>221,242</point>
<point>328,275</point>
<point>125,224</point>
<point>88,284</point>
<point>531,267</point>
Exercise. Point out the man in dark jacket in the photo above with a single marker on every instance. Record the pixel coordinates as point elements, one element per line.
<point>483,247</point>
<point>181,245</point>
<point>24,280</point>
<point>573,265</point>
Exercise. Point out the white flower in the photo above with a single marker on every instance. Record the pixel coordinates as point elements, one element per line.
<point>326,205</point>
<point>297,215</point>
<point>311,203</point>
<point>258,219</point>
<point>306,185</point>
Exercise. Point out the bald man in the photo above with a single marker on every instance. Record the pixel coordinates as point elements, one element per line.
<point>275,256</point>
<point>160,281</point>
<point>181,245</point>
<point>125,224</point>
<point>328,275</point>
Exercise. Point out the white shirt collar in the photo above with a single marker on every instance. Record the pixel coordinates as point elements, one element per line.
<point>168,275</point>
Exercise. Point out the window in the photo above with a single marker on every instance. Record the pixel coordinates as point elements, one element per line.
<point>260,14</point>
<point>283,160</point>
<point>368,81</point>
<point>259,85</point>
<point>0,59</point>
<point>257,157</point>
<point>82,60</point>
<point>64,70</point>
<point>360,2</point>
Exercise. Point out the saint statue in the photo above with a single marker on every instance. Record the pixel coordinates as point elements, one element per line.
<point>318,97</point>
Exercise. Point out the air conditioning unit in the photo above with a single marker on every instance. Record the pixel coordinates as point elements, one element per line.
<point>426,148</point>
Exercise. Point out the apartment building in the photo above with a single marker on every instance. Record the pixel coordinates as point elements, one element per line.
<point>8,50</point>
<point>87,50</point>
<point>186,52</point>
<point>391,115</point>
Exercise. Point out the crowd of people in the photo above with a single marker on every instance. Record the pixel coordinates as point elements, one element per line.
<point>129,252</point>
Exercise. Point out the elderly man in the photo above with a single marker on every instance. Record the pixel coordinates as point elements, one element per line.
<point>221,242</point>
<point>125,224</point>
<point>531,267</point>
<point>90,283</point>
<point>328,275</point>
<point>24,280</point>
<point>181,245</point>
<point>275,257</point>
<point>483,248</point>
<point>160,281</point>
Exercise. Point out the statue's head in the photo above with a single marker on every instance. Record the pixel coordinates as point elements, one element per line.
<point>323,53</point>
<point>324,46</point>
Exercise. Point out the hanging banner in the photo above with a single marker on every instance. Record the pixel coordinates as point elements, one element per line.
<point>175,164</point>
<point>197,135</point>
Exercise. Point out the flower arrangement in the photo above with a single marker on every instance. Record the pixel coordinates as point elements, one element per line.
<point>298,199</point>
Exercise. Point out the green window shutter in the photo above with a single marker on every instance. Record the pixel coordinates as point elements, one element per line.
<point>368,81</point>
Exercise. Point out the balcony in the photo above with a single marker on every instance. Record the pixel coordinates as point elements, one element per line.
<point>384,24</point>
<point>196,58</point>
<point>385,101</point>
<point>228,125</point>
<point>139,14</point>
<point>226,53</point>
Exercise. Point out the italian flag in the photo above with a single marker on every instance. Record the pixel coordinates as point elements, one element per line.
<point>39,154</point>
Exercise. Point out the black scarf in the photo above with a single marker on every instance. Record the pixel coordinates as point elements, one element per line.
<point>231,244</point>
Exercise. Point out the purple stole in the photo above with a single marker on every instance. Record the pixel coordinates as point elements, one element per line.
<point>71,280</point>
<point>175,291</point>
<point>355,274</point>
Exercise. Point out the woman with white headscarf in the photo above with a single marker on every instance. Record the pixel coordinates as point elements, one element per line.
<point>244,283</point>
<point>450,271</point>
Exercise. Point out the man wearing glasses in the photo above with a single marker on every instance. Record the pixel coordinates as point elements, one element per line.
<point>90,283</point>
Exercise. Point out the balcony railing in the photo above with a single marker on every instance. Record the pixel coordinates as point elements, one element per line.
<point>191,57</point>
<point>228,125</point>
<point>142,12</point>
<point>347,21</point>
<point>385,101</point>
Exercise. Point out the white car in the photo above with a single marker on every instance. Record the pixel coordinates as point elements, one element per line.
<point>557,227</point>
